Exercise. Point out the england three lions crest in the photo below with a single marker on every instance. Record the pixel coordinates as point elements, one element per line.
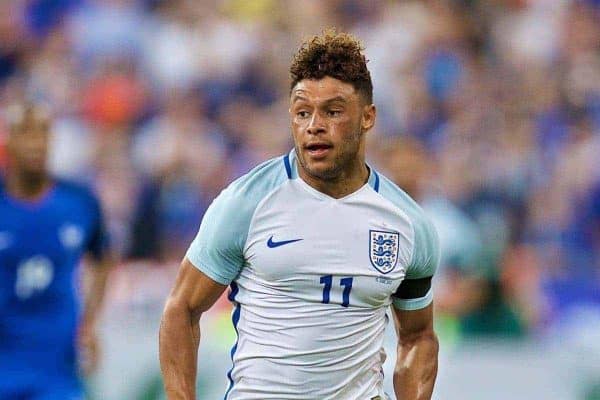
<point>383,249</point>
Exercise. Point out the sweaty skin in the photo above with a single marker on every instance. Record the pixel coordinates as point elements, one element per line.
<point>417,354</point>
<point>329,123</point>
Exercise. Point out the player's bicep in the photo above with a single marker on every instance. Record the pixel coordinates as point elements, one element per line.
<point>413,308</point>
<point>413,323</point>
<point>194,290</point>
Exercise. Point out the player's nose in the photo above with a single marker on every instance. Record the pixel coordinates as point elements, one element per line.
<point>316,125</point>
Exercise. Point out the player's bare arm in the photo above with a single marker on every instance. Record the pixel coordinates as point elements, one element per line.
<point>417,355</point>
<point>96,278</point>
<point>192,294</point>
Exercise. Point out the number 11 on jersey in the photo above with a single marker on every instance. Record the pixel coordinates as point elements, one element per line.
<point>327,280</point>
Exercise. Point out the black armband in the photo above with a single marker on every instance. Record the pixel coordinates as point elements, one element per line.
<point>413,288</point>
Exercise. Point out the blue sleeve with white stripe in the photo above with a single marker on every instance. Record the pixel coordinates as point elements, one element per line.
<point>218,249</point>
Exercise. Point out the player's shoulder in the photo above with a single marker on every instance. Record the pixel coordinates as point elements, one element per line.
<point>66,190</point>
<point>426,250</point>
<point>75,191</point>
<point>258,182</point>
<point>399,198</point>
<point>235,206</point>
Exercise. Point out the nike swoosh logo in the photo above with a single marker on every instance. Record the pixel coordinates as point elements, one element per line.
<point>272,244</point>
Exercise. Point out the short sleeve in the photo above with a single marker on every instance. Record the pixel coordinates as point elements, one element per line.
<point>424,263</point>
<point>217,249</point>
<point>426,253</point>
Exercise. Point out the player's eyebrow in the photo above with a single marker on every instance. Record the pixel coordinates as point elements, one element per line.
<point>340,99</point>
<point>335,99</point>
<point>297,97</point>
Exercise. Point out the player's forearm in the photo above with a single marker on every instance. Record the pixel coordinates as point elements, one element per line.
<point>98,276</point>
<point>179,340</point>
<point>416,367</point>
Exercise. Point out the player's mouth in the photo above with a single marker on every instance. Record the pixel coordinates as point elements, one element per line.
<point>318,150</point>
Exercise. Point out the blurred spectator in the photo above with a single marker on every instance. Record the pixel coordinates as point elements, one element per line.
<point>178,178</point>
<point>115,96</point>
<point>467,286</point>
<point>161,103</point>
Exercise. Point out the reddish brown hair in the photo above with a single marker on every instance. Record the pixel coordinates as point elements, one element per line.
<point>338,55</point>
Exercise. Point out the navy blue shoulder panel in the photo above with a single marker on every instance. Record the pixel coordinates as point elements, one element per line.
<point>376,186</point>
<point>288,166</point>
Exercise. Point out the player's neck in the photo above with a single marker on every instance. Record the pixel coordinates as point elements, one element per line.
<point>27,186</point>
<point>348,182</point>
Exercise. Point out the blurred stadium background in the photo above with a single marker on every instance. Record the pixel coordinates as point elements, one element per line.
<point>489,114</point>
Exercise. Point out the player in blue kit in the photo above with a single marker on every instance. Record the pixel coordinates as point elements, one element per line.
<point>46,226</point>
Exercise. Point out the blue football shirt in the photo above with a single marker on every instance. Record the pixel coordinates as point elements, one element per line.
<point>41,245</point>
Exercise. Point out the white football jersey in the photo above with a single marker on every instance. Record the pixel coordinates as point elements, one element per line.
<point>311,278</point>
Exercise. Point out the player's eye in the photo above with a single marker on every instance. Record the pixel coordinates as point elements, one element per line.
<point>302,114</point>
<point>334,113</point>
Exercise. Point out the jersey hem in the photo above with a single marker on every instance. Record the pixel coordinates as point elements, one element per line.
<point>414,304</point>
<point>207,271</point>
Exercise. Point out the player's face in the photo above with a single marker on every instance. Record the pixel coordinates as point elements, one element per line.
<point>28,148</point>
<point>329,120</point>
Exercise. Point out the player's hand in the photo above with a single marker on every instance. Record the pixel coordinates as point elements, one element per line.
<point>89,349</point>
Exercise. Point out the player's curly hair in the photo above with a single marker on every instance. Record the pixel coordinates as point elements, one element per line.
<point>338,55</point>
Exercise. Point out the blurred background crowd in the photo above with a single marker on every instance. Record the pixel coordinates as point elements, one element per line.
<point>488,115</point>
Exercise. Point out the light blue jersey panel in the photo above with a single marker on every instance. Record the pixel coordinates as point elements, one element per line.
<point>217,250</point>
<point>426,251</point>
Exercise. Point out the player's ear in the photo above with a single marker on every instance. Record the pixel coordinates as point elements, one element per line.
<point>368,117</point>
